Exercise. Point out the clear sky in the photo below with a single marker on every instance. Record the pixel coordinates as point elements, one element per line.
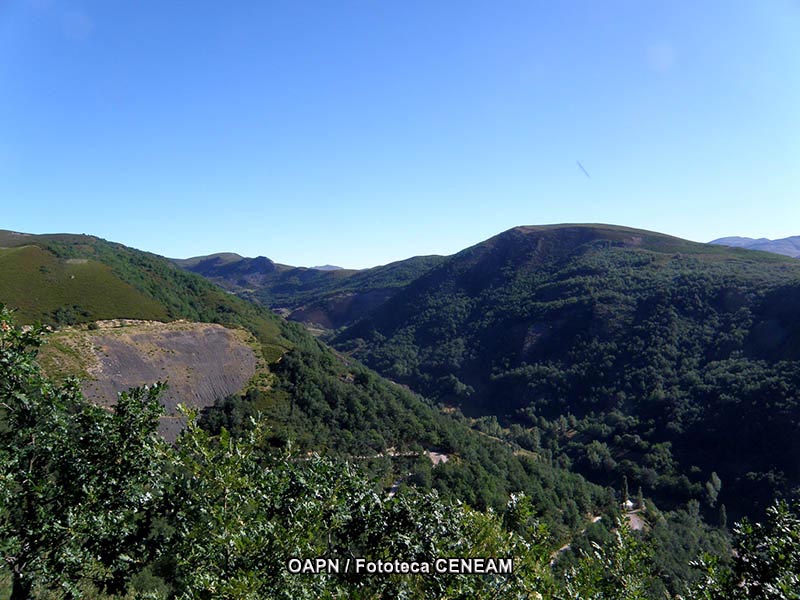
<point>357,133</point>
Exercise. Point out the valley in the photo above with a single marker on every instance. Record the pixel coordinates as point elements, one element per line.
<point>621,351</point>
<point>561,364</point>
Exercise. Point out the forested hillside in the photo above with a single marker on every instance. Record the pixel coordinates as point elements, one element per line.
<point>94,504</point>
<point>621,352</point>
<point>590,373</point>
<point>308,394</point>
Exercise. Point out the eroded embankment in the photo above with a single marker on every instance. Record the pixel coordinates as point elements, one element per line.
<point>201,362</point>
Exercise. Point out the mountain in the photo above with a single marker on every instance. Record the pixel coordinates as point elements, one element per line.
<point>564,362</point>
<point>128,318</point>
<point>232,271</point>
<point>328,268</point>
<point>787,246</point>
<point>626,352</point>
<point>125,317</point>
<point>327,298</point>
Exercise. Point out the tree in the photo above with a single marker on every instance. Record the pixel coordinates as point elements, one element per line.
<point>766,560</point>
<point>713,487</point>
<point>79,485</point>
<point>619,570</point>
<point>244,513</point>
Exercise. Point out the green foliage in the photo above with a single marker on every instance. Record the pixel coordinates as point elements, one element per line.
<point>620,570</point>
<point>243,515</point>
<point>766,560</point>
<point>679,537</point>
<point>348,411</point>
<point>78,484</point>
<point>94,505</point>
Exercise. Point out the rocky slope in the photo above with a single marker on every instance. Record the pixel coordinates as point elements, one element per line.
<point>201,362</point>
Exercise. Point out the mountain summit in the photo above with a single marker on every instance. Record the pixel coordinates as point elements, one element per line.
<point>658,350</point>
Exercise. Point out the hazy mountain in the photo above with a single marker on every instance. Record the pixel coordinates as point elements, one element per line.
<point>328,268</point>
<point>787,246</point>
<point>324,297</point>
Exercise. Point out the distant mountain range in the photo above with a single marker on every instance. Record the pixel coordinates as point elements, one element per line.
<point>328,297</point>
<point>789,246</point>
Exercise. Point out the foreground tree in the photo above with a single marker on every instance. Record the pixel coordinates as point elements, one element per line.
<point>766,561</point>
<point>79,484</point>
<point>619,570</point>
<point>242,514</point>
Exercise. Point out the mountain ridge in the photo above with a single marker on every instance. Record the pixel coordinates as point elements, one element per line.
<point>610,325</point>
<point>789,246</point>
<point>326,298</point>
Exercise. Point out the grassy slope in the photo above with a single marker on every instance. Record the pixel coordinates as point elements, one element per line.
<point>36,283</point>
<point>166,291</point>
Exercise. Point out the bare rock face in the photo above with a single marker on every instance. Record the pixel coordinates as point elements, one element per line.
<point>201,362</point>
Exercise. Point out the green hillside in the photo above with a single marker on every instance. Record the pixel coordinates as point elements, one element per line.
<point>308,394</point>
<point>546,338</point>
<point>131,278</point>
<point>96,505</point>
<point>623,352</point>
<point>44,288</point>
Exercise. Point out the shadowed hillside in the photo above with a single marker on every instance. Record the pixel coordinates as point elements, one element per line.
<point>676,363</point>
<point>325,298</point>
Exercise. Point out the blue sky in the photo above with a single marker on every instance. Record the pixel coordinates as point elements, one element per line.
<point>357,133</point>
